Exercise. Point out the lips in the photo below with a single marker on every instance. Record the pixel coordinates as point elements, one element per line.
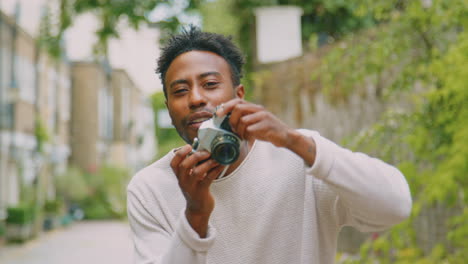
<point>198,120</point>
<point>199,117</point>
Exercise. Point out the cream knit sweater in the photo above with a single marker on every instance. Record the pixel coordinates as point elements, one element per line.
<point>272,209</point>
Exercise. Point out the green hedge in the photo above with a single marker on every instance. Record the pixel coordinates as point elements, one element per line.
<point>21,214</point>
<point>2,229</point>
<point>53,206</point>
<point>96,208</point>
<point>101,194</point>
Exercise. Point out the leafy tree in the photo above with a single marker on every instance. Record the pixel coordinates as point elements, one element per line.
<point>110,14</point>
<point>329,18</point>
<point>420,49</point>
<point>322,21</point>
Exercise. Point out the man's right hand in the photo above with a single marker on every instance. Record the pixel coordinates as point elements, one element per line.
<point>195,174</point>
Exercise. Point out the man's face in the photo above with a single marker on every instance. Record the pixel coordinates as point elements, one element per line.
<point>197,82</point>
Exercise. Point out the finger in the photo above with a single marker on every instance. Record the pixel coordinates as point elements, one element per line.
<point>179,157</point>
<point>227,107</point>
<point>240,111</point>
<point>192,160</point>
<point>264,131</point>
<point>211,176</point>
<point>258,128</point>
<point>199,172</point>
<point>247,121</point>
<point>187,165</point>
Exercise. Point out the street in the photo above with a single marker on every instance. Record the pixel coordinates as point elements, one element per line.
<point>82,243</point>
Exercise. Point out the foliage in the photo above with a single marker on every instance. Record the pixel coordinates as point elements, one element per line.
<point>72,185</point>
<point>331,18</point>
<point>107,193</point>
<point>101,194</point>
<point>111,13</point>
<point>2,229</point>
<point>328,18</point>
<point>323,21</point>
<point>21,214</point>
<point>218,18</point>
<point>420,50</point>
<point>167,138</point>
<point>41,133</point>
<point>397,52</point>
<point>53,206</point>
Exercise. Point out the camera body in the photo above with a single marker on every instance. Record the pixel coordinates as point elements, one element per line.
<point>215,136</point>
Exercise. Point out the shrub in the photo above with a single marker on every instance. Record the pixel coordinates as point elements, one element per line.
<point>97,209</point>
<point>22,214</point>
<point>107,197</point>
<point>101,194</point>
<point>2,229</point>
<point>53,206</point>
<point>72,185</point>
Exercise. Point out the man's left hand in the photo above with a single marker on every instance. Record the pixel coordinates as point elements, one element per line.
<point>250,121</point>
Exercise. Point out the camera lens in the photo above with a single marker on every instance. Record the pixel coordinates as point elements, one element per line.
<point>225,149</point>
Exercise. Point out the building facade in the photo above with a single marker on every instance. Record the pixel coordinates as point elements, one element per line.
<point>35,115</point>
<point>112,123</point>
<point>55,113</point>
<point>92,115</point>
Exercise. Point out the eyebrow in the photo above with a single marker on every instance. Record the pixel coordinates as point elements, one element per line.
<point>201,76</point>
<point>180,81</point>
<point>206,74</point>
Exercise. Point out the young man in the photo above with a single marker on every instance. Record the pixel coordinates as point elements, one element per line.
<point>283,201</point>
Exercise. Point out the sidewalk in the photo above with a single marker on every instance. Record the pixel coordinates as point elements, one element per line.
<point>94,242</point>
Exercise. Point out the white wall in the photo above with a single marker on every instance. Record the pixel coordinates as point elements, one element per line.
<point>278,33</point>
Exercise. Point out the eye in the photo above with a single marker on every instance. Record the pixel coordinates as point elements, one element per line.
<point>180,91</point>
<point>211,84</point>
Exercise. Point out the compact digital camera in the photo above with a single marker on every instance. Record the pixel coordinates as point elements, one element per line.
<point>215,135</point>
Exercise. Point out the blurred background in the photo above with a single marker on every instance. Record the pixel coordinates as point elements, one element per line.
<point>82,110</point>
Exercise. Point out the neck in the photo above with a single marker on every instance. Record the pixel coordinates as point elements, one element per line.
<point>244,150</point>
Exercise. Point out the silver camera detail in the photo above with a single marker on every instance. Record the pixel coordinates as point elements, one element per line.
<point>215,136</point>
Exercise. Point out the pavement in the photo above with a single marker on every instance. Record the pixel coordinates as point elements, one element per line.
<point>87,242</point>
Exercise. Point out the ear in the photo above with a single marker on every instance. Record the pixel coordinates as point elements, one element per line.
<point>239,90</point>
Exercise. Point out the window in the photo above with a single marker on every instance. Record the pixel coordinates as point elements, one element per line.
<point>105,113</point>
<point>25,78</point>
<point>64,103</point>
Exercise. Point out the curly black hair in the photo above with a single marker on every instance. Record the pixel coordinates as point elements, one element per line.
<point>192,38</point>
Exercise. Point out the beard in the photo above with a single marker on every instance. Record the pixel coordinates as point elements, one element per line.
<point>183,133</point>
<point>182,126</point>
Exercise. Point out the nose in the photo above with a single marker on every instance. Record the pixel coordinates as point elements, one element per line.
<point>197,98</point>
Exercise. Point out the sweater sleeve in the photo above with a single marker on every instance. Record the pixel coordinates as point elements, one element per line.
<point>370,194</point>
<point>154,244</point>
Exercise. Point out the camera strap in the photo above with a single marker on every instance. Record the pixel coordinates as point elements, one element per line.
<point>223,172</point>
